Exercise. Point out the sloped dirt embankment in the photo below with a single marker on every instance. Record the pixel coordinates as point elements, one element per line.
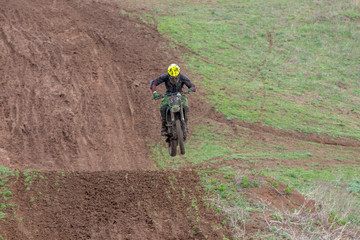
<point>74,85</point>
<point>110,205</point>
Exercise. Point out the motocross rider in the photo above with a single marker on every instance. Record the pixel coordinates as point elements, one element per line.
<point>174,82</point>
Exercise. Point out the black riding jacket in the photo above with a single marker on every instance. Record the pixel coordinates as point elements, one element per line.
<point>172,88</point>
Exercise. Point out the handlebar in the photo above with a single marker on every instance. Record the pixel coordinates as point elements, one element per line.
<point>162,95</point>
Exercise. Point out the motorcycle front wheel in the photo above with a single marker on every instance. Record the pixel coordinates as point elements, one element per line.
<point>173,147</point>
<point>180,135</point>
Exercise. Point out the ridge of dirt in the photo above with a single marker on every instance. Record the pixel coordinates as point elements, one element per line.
<point>259,129</point>
<point>112,205</point>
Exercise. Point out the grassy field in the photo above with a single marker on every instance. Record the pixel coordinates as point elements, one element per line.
<point>291,65</point>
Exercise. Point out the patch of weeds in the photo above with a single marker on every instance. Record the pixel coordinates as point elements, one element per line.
<point>288,190</point>
<point>183,193</point>
<point>341,207</point>
<point>207,145</point>
<point>168,194</point>
<point>276,216</point>
<point>305,180</point>
<point>2,207</point>
<point>5,192</point>
<point>31,175</point>
<point>172,179</point>
<point>63,174</point>
<point>335,217</point>
<point>223,190</point>
<point>226,197</point>
<point>194,205</point>
<point>250,209</point>
<point>354,186</point>
<point>245,182</point>
<point>274,228</point>
<point>285,235</point>
<point>193,215</point>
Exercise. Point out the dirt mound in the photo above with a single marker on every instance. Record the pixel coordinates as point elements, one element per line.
<point>111,205</point>
<point>74,85</point>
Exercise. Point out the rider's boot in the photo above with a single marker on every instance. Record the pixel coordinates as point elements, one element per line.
<point>163,128</point>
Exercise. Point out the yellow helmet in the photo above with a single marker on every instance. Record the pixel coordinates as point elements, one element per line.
<point>173,70</point>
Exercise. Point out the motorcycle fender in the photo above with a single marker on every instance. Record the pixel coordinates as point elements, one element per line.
<point>175,108</point>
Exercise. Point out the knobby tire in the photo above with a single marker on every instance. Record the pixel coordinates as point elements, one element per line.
<point>180,136</point>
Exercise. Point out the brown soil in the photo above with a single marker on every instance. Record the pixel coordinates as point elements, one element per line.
<point>112,205</point>
<point>74,85</point>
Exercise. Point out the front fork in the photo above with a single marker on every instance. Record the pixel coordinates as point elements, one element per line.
<point>172,129</point>
<point>172,115</point>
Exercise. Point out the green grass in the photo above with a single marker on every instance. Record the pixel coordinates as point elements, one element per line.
<point>5,191</point>
<point>216,146</point>
<point>205,145</point>
<point>304,180</point>
<point>31,176</point>
<point>225,195</point>
<point>7,177</point>
<point>292,65</point>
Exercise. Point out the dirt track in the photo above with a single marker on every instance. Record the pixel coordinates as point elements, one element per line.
<point>74,85</point>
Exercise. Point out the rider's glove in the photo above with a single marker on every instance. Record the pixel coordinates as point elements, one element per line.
<point>156,95</point>
<point>191,90</point>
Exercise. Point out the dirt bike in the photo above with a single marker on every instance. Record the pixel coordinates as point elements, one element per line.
<point>175,122</point>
